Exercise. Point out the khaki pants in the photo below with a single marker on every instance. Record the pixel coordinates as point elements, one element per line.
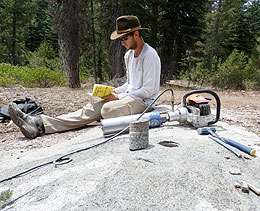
<point>92,112</point>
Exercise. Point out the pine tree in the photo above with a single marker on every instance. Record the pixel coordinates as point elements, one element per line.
<point>16,16</point>
<point>41,28</point>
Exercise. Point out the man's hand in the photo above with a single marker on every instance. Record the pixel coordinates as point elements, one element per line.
<point>111,97</point>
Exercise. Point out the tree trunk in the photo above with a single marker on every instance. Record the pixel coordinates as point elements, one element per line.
<point>94,42</point>
<point>14,59</point>
<point>154,28</point>
<point>99,63</point>
<point>169,64</point>
<point>116,52</point>
<point>117,61</point>
<point>66,18</point>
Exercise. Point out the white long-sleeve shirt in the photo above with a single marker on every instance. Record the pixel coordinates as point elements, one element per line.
<point>143,75</point>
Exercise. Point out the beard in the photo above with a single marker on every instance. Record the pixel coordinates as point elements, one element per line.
<point>131,46</point>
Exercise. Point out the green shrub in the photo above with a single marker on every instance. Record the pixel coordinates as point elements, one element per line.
<point>258,78</point>
<point>255,62</point>
<point>5,195</point>
<point>201,74</point>
<point>236,72</point>
<point>196,75</point>
<point>6,77</point>
<point>30,77</point>
<point>233,72</point>
<point>45,56</point>
<point>41,77</point>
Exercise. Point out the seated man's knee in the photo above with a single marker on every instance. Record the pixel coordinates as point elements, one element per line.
<point>110,110</point>
<point>107,111</point>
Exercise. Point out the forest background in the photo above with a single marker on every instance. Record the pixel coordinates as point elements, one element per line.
<point>45,43</point>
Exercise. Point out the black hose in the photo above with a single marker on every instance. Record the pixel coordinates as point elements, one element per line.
<point>65,159</point>
<point>117,134</point>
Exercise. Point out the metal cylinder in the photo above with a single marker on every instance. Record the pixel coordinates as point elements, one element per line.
<point>114,125</point>
<point>179,115</point>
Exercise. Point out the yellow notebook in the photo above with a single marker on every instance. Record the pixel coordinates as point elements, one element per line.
<point>100,90</point>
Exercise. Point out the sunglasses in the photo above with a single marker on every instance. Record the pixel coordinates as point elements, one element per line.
<point>124,38</point>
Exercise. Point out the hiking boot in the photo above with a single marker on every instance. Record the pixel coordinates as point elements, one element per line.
<point>30,126</point>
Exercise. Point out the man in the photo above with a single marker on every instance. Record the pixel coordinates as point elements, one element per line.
<point>143,80</point>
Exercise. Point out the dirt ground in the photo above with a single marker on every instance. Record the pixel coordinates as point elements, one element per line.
<point>237,108</point>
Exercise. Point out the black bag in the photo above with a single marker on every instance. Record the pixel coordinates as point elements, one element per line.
<point>26,105</point>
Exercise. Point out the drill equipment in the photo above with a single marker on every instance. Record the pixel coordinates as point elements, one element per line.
<point>195,111</point>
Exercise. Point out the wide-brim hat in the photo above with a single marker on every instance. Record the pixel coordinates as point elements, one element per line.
<point>125,25</point>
